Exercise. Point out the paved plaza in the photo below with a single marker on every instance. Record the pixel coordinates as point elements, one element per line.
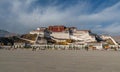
<point>59,61</point>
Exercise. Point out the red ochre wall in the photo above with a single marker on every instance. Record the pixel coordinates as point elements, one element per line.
<point>56,28</point>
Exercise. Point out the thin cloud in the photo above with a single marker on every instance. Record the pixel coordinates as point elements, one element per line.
<point>21,17</point>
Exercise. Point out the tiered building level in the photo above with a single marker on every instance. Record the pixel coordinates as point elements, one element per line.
<point>62,33</point>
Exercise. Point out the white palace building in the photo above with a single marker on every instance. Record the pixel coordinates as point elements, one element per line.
<point>61,32</point>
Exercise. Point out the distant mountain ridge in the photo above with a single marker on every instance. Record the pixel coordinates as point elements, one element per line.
<point>117,38</point>
<point>4,33</point>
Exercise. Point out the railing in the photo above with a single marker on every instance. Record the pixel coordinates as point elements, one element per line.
<point>58,47</point>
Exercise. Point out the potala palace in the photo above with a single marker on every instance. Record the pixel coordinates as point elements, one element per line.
<point>61,35</point>
<point>58,37</point>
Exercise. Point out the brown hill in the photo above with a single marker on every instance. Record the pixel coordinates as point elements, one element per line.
<point>29,36</point>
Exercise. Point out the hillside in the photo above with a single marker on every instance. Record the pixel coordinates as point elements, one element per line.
<point>29,36</point>
<point>11,40</point>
